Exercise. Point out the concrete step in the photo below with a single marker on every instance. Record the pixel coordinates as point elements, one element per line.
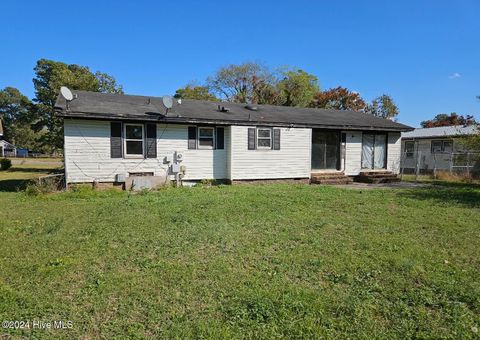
<point>328,175</point>
<point>374,172</point>
<point>376,180</point>
<point>378,175</point>
<point>343,180</point>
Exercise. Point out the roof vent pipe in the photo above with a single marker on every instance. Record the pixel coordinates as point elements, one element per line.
<point>223,108</point>
<point>251,107</point>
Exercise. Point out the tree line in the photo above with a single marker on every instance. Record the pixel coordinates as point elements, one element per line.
<point>254,83</point>
<point>32,123</point>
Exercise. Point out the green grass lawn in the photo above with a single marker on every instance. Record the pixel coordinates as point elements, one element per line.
<point>23,171</point>
<point>244,262</point>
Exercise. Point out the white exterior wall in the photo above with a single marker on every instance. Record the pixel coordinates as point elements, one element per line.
<point>394,151</point>
<point>87,154</point>
<point>426,159</point>
<point>353,153</point>
<point>293,160</point>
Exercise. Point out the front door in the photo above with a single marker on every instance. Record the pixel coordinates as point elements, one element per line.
<point>374,151</point>
<point>325,150</point>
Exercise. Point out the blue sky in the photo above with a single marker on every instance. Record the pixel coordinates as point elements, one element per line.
<point>425,54</point>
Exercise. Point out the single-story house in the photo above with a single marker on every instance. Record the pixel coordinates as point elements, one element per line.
<point>110,137</point>
<point>7,149</point>
<point>437,148</point>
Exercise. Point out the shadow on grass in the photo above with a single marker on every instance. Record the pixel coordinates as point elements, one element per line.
<point>50,171</point>
<point>14,185</point>
<point>448,192</point>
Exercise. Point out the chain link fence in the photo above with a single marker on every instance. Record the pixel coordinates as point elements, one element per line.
<point>464,164</point>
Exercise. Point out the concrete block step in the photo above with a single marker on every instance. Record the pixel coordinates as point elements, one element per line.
<point>327,176</point>
<point>376,172</point>
<point>331,181</point>
<point>378,175</point>
<point>376,180</point>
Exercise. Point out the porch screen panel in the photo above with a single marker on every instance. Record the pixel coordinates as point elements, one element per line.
<point>367,151</point>
<point>331,151</point>
<point>379,154</point>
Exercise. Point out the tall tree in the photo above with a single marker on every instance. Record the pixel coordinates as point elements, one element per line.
<point>107,84</point>
<point>444,119</point>
<point>338,98</point>
<point>192,91</point>
<point>49,77</point>
<point>383,107</point>
<point>16,115</point>
<point>297,88</point>
<point>239,83</point>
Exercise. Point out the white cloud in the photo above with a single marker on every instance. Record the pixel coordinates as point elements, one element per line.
<point>454,75</point>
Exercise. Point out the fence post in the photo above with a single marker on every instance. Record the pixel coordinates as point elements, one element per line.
<point>468,164</point>
<point>403,155</point>
<point>451,162</point>
<point>417,166</point>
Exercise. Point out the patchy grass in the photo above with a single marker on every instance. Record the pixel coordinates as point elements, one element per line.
<point>24,171</point>
<point>444,178</point>
<point>270,261</point>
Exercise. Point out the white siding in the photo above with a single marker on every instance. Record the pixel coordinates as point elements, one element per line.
<point>87,154</point>
<point>394,152</point>
<point>291,161</point>
<point>353,153</point>
<point>423,155</point>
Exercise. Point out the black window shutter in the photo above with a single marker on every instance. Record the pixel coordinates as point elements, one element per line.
<point>192,137</point>
<point>251,138</point>
<point>276,139</point>
<point>220,138</point>
<point>151,141</point>
<point>115,139</point>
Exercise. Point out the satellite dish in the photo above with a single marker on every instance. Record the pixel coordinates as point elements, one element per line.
<point>167,101</point>
<point>66,93</point>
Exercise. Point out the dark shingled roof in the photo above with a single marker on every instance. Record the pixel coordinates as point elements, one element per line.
<point>94,105</point>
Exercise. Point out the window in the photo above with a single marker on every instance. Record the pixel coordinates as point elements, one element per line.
<point>264,138</point>
<point>409,149</point>
<point>206,137</point>
<point>134,140</point>
<point>442,146</point>
<point>447,146</point>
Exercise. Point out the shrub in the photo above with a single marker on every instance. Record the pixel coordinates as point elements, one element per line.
<point>5,164</point>
<point>44,185</point>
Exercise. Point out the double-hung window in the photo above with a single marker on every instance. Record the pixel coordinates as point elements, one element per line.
<point>264,138</point>
<point>134,136</point>
<point>409,149</point>
<point>206,138</point>
<point>442,146</point>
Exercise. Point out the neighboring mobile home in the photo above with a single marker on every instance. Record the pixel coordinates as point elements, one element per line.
<point>7,149</point>
<point>437,148</point>
<point>110,137</point>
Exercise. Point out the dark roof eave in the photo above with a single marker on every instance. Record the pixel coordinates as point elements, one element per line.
<point>187,120</point>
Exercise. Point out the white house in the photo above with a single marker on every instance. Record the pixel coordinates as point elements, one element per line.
<point>7,149</point>
<point>438,148</point>
<point>111,137</point>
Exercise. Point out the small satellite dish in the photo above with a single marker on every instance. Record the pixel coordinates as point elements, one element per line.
<point>66,93</point>
<point>167,101</point>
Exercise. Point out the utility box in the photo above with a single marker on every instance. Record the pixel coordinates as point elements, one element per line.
<point>175,168</point>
